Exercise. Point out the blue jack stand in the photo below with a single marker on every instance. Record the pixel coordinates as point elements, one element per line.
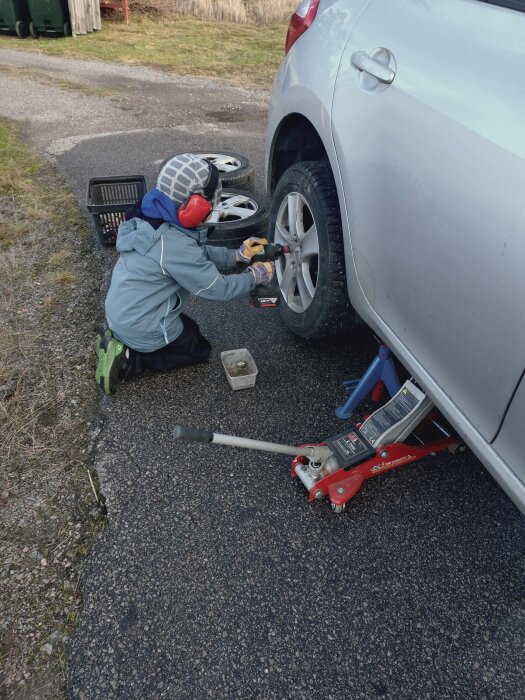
<point>382,370</point>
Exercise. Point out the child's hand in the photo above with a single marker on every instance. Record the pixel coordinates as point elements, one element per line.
<point>263,273</point>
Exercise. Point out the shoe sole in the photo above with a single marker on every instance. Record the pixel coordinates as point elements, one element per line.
<point>104,336</point>
<point>113,350</point>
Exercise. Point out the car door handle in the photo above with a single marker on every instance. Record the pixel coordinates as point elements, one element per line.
<point>365,64</point>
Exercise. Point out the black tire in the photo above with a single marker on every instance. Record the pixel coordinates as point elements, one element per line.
<point>242,174</point>
<point>33,31</point>
<point>67,29</point>
<point>21,29</point>
<point>230,230</point>
<point>325,310</point>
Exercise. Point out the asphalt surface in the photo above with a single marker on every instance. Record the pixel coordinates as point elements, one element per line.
<point>215,577</point>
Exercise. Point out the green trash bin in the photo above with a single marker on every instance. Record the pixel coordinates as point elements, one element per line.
<point>49,17</point>
<point>14,17</point>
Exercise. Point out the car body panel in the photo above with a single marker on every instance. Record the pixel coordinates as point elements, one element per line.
<point>510,443</point>
<point>307,87</point>
<point>435,192</point>
<point>496,346</point>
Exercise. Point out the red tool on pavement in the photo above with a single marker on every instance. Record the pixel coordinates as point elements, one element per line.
<point>404,430</point>
<point>342,484</point>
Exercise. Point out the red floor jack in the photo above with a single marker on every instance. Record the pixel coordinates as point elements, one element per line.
<point>405,429</point>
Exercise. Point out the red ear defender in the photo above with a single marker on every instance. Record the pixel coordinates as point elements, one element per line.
<point>193,211</point>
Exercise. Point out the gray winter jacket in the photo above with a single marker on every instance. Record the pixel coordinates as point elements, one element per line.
<point>156,272</point>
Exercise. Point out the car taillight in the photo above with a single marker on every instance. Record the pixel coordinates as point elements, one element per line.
<point>301,19</point>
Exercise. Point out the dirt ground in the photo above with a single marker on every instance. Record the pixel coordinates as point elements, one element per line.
<point>50,507</point>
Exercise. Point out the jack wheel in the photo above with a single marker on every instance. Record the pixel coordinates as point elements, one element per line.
<point>458,448</point>
<point>338,508</point>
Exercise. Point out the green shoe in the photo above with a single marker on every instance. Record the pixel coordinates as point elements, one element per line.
<point>111,360</point>
<point>101,358</point>
<point>115,362</point>
<point>103,332</point>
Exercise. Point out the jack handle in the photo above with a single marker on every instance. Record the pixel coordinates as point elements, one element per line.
<point>183,432</point>
<point>317,453</point>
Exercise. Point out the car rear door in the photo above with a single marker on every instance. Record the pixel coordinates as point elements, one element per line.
<point>433,174</point>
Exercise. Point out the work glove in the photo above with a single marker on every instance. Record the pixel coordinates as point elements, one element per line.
<point>249,248</point>
<point>263,273</point>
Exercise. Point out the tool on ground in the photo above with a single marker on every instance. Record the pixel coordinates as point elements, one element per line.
<point>265,297</point>
<point>404,430</point>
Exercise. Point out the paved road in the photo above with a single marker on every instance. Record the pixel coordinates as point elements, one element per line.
<point>215,578</point>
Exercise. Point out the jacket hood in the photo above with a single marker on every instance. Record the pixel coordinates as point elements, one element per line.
<point>137,234</point>
<point>158,205</point>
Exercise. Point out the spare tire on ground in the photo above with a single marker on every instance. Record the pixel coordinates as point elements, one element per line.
<point>240,214</point>
<point>235,170</point>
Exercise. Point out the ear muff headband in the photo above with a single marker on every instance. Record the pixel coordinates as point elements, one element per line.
<point>213,180</point>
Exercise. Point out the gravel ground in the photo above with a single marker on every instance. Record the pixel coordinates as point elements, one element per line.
<point>50,514</point>
<point>215,577</point>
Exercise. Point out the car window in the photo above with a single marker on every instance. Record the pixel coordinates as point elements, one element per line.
<point>512,4</point>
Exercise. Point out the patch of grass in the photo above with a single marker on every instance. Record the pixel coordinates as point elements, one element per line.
<point>59,258</point>
<point>241,54</point>
<point>9,233</point>
<point>48,509</point>
<point>62,277</point>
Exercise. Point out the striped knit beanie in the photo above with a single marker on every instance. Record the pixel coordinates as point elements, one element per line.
<point>185,174</point>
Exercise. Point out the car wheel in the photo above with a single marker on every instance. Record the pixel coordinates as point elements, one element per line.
<point>239,215</point>
<point>67,29</point>
<point>235,170</point>
<point>311,278</point>
<point>33,31</point>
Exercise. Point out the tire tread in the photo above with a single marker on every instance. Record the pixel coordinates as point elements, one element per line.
<point>335,313</point>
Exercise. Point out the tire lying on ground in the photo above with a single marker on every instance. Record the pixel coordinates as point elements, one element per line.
<point>311,278</point>
<point>235,170</point>
<point>240,214</point>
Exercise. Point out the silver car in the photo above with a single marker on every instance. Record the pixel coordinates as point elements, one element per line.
<point>395,162</point>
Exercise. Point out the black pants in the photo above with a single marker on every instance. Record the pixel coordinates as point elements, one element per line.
<point>190,348</point>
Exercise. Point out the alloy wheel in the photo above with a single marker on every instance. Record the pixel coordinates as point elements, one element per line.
<point>226,163</point>
<point>233,207</point>
<point>297,271</point>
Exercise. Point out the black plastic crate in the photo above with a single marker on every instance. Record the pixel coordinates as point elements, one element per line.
<point>107,200</point>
